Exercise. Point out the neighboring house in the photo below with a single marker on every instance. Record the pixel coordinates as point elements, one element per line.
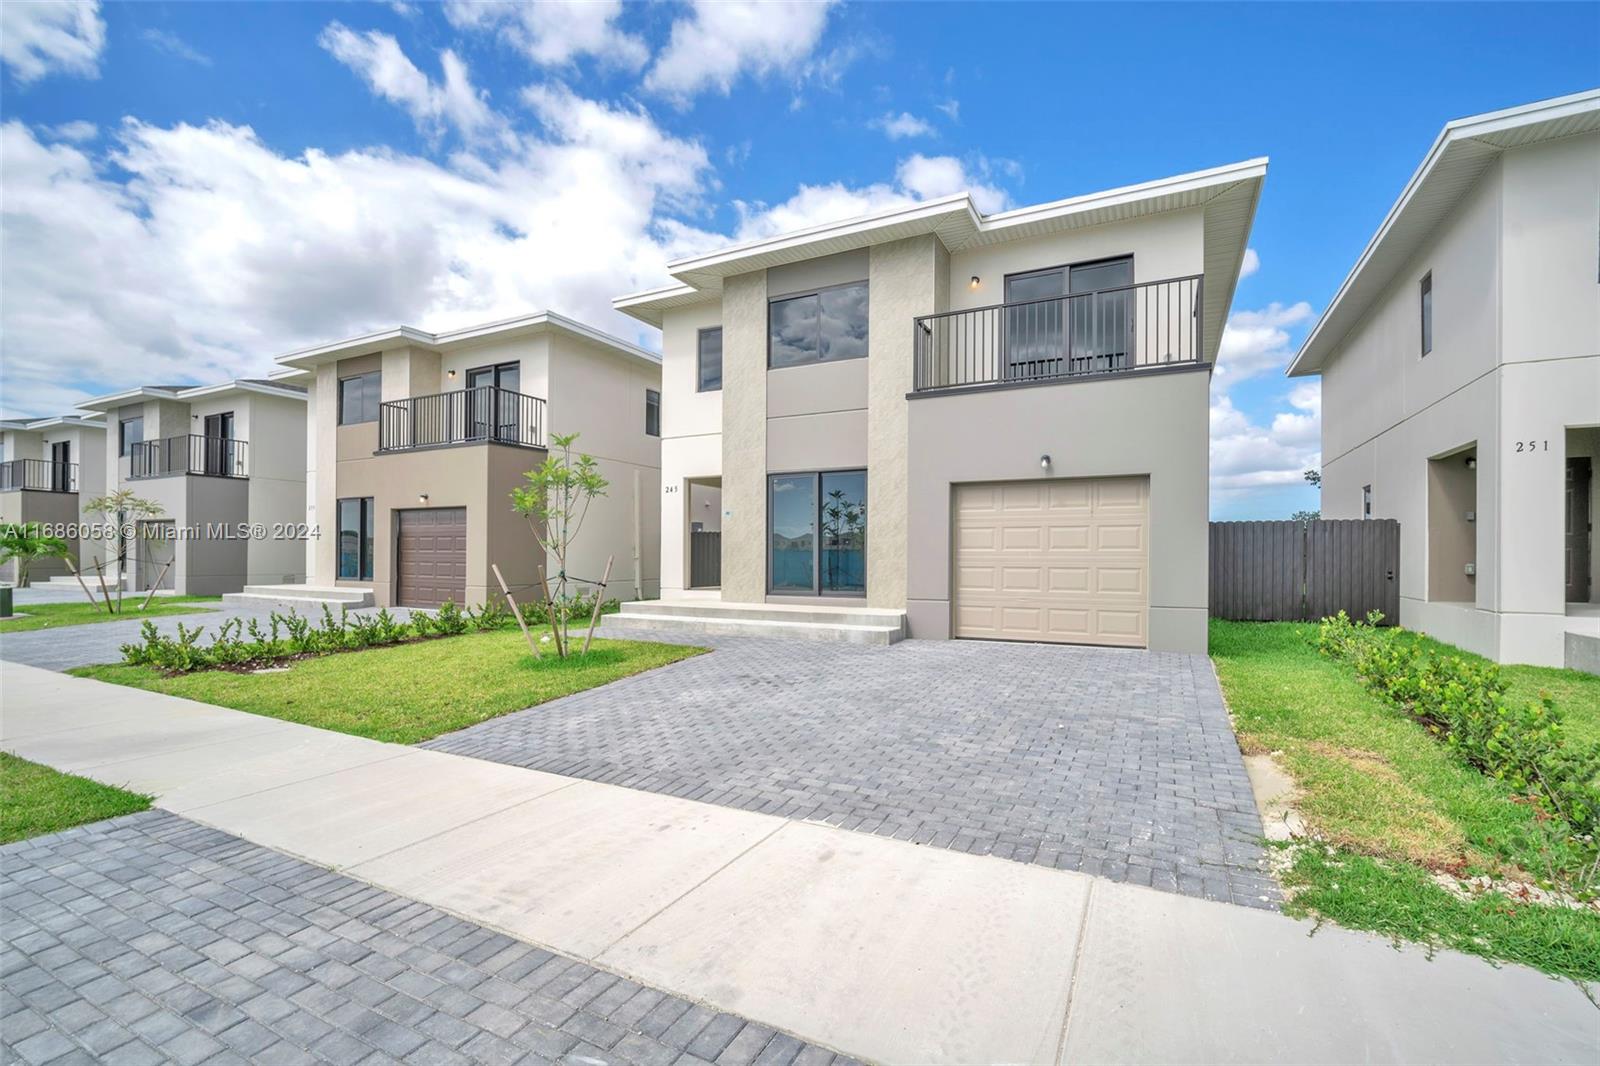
<point>416,441</point>
<point>226,465</point>
<point>47,466</point>
<point>1460,365</point>
<point>968,425</point>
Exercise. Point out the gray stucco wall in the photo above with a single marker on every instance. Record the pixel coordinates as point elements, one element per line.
<point>1150,424</point>
<point>744,437</point>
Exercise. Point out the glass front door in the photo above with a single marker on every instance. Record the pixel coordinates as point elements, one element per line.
<point>817,542</point>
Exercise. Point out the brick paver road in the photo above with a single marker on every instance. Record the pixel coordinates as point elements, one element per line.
<point>150,939</point>
<point>1116,763</point>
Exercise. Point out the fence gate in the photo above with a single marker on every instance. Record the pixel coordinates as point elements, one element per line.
<point>1293,571</point>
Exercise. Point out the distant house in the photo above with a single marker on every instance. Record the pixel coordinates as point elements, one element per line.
<point>1460,365</point>
<point>48,466</point>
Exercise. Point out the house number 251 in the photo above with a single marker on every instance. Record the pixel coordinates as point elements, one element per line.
<point>1533,445</point>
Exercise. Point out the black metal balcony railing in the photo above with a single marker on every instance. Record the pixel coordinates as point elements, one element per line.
<point>188,453</point>
<point>1134,327</point>
<point>465,416</point>
<point>42,475</point>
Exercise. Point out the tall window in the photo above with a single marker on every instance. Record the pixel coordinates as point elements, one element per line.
<point>709,360</point>
<point>1366,501</point>
<point>817,535</point>
<point>358,398</point>
<point>818,327</point>
<point>130,432</point>
<point>1426,309</point>
<point>355,538</point>
<point>652,413</point>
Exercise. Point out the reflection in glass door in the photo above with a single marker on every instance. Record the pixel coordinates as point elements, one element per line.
<point>791,505</point>
<point>817,543</point>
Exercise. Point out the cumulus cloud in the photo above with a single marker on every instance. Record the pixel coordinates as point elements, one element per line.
<point>905,124</point>
<point>77,131</point>
<point>555,32</point>
<point>917,178</point>
<point>1247,457</point>
<point>1250,264</point>
<point>720,41</point>
<point>38,39</point>
<point>389,72</point>
<point>1256,341</point>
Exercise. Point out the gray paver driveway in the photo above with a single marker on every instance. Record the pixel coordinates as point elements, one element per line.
<point>1112,762</point>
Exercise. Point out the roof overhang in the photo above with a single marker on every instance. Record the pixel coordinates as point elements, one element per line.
<point>299,365</point>
<point>190,393</point>
<point>1463,150</point>
<point>35,425</point>
<point>1228,194</point>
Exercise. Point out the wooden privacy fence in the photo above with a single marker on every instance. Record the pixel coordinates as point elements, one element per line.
<point>1294,571</point>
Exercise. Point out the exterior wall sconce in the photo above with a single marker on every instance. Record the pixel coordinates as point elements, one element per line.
<point>451,374</point>
<point>975,281</point>
<point>1044,462</point>
<point>1472,463</point>
<point>422,497</point>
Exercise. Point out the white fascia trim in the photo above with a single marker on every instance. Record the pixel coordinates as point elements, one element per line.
<point>1228,174</point>
<point>202,391</point>
<point>1471,127</point>
<point>117,399</point>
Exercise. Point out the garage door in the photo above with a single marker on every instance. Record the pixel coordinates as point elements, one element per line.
<point>433,557</point>
<point>1065,561</point>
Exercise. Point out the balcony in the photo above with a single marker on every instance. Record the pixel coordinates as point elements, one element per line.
<point>188,453</point>
<point>1151,326</point>
<point>38,475</point>
<point>482,415</point>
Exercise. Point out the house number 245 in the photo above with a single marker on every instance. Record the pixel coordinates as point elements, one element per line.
<point>1533,445</point>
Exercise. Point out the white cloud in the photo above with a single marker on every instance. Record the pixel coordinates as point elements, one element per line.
<point>1250,264</point>
<point>951,109</point>
<point>1247,457</point>
<point>917,178</point>
<point>37,39</point>
<point>721,40</point>
<point>1256,341</point>
<point>903,125</point>
<point>389,72</point>
<point>174,45</point>
<point>555,32</point>
<point>77,131</point>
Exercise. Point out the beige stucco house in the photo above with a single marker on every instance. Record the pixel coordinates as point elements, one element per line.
<point>48,465</point>
<point>415,441</point>
<point>949,424</point>
<point>1460,365</point>
<point>226,465</point>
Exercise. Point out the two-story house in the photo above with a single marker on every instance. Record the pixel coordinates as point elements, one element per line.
<point>416,440</point>
<point>225,464</point>
<point>1460,365</point>
<point>949,423</point>
<point>47,466</point>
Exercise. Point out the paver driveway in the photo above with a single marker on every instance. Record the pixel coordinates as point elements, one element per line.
<point>1113,762</point>
<point>150,939</point>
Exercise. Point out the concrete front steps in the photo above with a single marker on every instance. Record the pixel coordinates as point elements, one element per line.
<point>851,624</point>
<point>304,599</point>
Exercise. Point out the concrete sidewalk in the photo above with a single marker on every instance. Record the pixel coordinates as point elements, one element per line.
<point>871,946</point>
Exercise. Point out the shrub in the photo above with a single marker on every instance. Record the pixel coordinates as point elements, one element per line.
<point>1464,704</point>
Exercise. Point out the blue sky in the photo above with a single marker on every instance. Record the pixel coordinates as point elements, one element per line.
<point>191,189</point>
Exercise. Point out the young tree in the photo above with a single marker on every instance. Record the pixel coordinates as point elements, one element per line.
<point>122,507</point>
<point>555,502</point>
<point>27,544</point>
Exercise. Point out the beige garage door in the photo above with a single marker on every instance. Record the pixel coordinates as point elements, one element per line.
<point>1066,561</point>
<point>433,557</point>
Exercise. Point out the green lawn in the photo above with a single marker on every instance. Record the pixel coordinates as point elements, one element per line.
<point>1393,804</point>
<point>35,800</point>
<point>79,612</point>
<point>410,692</point>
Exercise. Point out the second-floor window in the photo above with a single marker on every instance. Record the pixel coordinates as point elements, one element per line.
<point>708,360</point>
<point>1425,307</point>
<point>818,327</point>
<point>130,433</point>
<point>652,413</point>
<point>358,398</point>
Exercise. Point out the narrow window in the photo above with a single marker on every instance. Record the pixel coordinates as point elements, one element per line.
<point>130,433</point>
<point>358,398</point>
<point>1366,501</point>
<point>709,360</point>
<point>355,538</point>
<point>818,327</point>
<point>1427,312</point>
<point>652,413</point>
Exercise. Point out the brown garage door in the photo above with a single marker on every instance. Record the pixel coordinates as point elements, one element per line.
<point>433,556</point>
<point>1065,561</point>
